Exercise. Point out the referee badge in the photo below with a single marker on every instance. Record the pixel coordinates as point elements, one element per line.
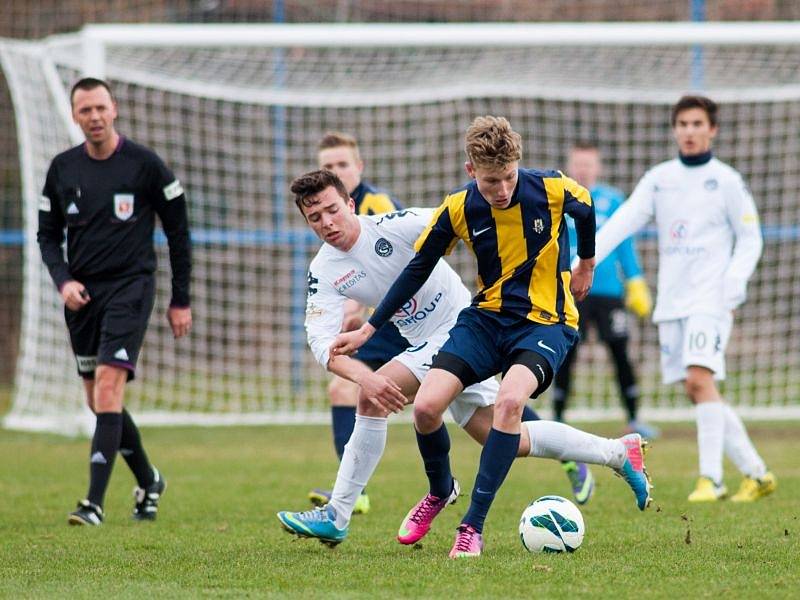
<point>123,206</point>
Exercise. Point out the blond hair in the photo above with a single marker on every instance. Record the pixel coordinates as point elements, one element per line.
<point>336,139</point>
<point>490,142</point>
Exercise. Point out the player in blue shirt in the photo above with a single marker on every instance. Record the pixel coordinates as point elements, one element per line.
<point>618,283</point>
<point>338,152</point>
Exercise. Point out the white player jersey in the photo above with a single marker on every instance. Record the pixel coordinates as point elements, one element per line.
<point>366,272</point>
<point>709,239</point>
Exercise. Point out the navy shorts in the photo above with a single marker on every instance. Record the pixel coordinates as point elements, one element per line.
<point>110,329</point>
<point>490,342</point>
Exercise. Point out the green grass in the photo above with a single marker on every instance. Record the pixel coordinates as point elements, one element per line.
<point>217,534</point>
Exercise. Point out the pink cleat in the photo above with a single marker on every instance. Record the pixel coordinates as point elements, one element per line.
<point>469,543</point>
<point>633,470</point>
<point>418,520</point>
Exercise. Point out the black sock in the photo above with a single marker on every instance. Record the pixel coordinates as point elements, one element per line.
<point>105,444</point>
<point>130,446</point>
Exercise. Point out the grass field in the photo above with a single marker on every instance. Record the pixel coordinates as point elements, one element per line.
<point>217,534</point>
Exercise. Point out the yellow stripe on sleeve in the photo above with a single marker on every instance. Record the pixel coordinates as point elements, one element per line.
<point>376,204</point>
<point>453,205</point>
<point>580,193</point>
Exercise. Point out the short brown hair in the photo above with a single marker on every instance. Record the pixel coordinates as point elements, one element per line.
<point>695,101</point>
<point>335,139</point>
<point>310,184</point>
<point>490,142</point>
<point>90,83</point>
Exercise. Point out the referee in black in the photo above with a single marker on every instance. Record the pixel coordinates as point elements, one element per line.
<point>106,193</point>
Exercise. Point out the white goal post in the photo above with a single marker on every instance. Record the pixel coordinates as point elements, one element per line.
<point>236,111</point>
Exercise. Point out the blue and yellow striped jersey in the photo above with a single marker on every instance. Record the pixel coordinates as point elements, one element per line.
<point>522,250</point>
<point>370,201</point>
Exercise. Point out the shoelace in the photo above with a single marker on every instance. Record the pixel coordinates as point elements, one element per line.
<point>428,505</point>
<point>315,514</point>
<point>464,538</point>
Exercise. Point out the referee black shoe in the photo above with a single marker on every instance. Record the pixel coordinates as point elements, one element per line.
<point>147,498</point>
<point>86,514</point>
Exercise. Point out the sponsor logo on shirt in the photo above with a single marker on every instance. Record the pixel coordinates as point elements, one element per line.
<point>678,233</point>
<point>411,313</point>
<point>679,229</point>
<point>538,225</point>
<point>710,184</point>
<point>350,280</point>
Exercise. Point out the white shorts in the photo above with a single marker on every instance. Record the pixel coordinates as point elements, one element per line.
<point>697,340</point>
<point>418,360</point>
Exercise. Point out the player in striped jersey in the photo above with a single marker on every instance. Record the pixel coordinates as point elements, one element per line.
<point>361,257</point>
<point>338,152</point>
<point>521,323</point>
<point>709,242</point>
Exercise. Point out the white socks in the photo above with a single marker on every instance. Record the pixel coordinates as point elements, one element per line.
<point>550,439</point>
<point>361,455</point>
<point>720,428</point>
<point>710,418</point>
<point>739,448</point>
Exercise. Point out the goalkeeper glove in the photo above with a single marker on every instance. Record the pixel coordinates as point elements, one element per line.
<point>637,297</point>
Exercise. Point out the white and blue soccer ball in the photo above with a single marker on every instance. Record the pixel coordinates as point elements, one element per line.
<point>551,524</point>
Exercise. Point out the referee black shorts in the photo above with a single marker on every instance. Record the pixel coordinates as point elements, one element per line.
<point>110,329</point>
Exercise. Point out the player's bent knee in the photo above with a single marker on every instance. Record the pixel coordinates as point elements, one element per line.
<point>427,415</point>
<point>508,406</point>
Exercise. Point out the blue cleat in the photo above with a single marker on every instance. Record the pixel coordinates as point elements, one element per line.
<point>633,470</point>
<point>581,480</point>
<point>319,523</point>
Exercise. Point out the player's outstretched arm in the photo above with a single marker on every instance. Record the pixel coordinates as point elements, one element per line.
<point>379,389</point>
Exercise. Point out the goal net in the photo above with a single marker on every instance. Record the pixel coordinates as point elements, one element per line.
<point>236,111</point>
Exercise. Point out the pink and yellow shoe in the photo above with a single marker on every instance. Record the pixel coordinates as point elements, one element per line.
<point>468,544</point>
<point>418,520</point>
<point>633,470</point>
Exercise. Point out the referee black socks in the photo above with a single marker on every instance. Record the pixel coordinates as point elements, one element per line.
<point>132,451</point>
<point>105,444</point>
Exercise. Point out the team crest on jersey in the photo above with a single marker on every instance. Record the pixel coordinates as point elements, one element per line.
<point>538,225</point>
<point>383,248</point>
<point>123,206</point>
<point>710,184</point>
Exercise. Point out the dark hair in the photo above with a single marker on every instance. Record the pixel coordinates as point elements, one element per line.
<point>695,101</point>
<point>585,145</point>
<point>89,83</point>
<point>310,184</point>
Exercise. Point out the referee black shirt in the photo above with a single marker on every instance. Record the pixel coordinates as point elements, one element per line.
<point>108,208</point>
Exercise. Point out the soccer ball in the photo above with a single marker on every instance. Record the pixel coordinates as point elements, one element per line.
<point>551,524</point>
